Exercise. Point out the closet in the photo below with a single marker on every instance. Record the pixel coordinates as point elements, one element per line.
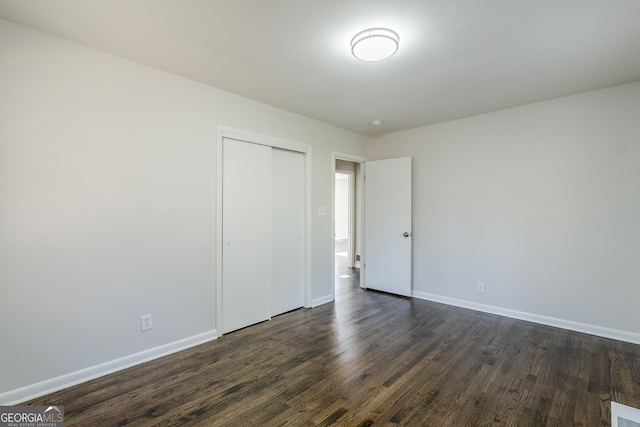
<point>263,208</point>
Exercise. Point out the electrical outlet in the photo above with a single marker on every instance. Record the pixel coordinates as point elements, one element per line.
<point>480,287</point>
<point>147,322</point>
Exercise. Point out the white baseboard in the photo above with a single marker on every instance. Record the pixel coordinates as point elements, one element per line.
<point>42,388</point>
<point>323,300</point>
<point>600,331</point>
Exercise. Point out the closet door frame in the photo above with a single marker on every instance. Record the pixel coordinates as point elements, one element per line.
<point>255,138</point>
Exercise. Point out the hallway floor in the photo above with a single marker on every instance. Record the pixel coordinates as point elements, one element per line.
<point>347,278</point>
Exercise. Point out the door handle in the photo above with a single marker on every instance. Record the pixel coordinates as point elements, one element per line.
<point>407,234</point>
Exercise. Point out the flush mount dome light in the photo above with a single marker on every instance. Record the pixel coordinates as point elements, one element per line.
<point>374,44</point>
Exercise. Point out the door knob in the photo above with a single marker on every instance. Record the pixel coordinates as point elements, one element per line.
<point>407,234</point>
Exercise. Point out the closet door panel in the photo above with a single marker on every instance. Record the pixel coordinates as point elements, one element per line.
<point>287,231</point>
<point>246,233</point>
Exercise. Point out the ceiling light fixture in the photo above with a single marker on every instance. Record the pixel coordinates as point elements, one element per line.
<point>374,44</point>
<point>376,122</point>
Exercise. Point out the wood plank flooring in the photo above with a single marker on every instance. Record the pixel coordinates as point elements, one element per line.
<point>371,359</point>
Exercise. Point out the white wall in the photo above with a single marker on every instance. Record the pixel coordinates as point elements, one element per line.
<point>107,207</point>
<point>540,202</point>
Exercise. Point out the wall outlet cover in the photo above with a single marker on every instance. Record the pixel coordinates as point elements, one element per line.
<point>624,416</point>
<point>146,322</point>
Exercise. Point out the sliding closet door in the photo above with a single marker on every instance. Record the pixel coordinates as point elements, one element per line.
<point>287,230</point>
<point>246,234</point>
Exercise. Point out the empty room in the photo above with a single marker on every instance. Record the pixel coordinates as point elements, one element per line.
<point>169,252</point>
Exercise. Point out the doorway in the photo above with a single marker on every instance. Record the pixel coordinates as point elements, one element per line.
<point>383,234</point>
<point>344,232</point>
<point>347,226</point>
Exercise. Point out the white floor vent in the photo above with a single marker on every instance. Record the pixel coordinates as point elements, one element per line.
<point>624,416</point>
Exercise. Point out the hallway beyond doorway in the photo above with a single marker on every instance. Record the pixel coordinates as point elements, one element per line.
<point>347,278</point>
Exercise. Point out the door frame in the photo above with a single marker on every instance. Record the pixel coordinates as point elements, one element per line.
<point>223,131</point>
<point>335,155</point>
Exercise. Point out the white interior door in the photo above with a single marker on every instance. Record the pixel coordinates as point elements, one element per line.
<point>246,234</point>
<point>288,230</point>
<point>387,226</point>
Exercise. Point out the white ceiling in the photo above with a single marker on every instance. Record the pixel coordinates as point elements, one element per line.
<point>457,58</point>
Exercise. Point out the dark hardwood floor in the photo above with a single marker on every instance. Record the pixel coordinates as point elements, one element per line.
<point>371,359</point>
